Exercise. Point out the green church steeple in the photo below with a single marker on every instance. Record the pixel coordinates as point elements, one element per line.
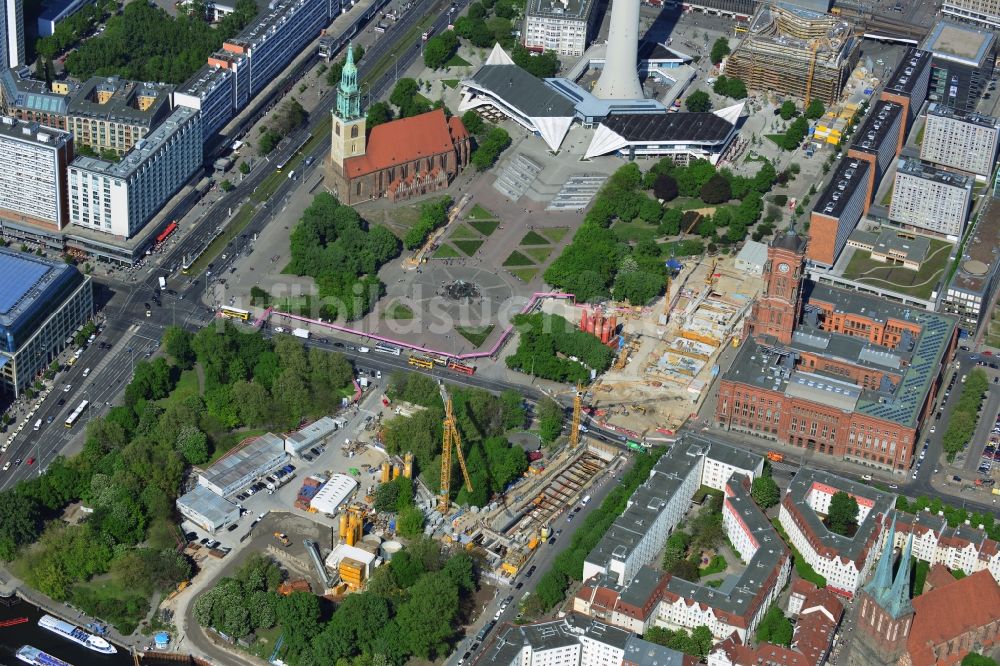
<point>348,94</point>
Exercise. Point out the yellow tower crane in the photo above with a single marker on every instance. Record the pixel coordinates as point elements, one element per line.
<point>710,278</point>
<point>574,433</point>
<point>451,438</point>
<point>812,71</point>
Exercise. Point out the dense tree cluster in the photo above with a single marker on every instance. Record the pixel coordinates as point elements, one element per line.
<point>547,342</point>
<point>245,602</point>
<point>815,110</point>
<point>333,245</point>
<point>976,659</point>
<point>482,421</point>
<point>793,136</point>
<point>433,214</point>
<point>787,110</point>
<point>439,49</point>
<point>489,145</point>
<point>775,628</point>
<point>698,643</point>
<point>842,517</point>
<point>730,87</point>
<point>550,419</point>
<point>145,43</point>
<point>698,102</point>
<point>378,114</point>
<point>568,564</point>
<point>965,415</point>
<point>73,28</point>
<point>720,49</point>
<point>543,65</point>
<point>407,99</point>
<point>765,491</point>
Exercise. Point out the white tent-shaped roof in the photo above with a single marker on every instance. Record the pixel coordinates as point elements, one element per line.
<point>731,113</point>
<point>498,56</point>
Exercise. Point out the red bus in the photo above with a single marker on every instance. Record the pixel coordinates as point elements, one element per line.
<point>464,369</point>
<point>171,228</point>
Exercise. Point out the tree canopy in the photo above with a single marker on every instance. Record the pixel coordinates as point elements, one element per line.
<point>698,102</point>
<point>547,342</point>
<point>774,628</point>
<point>843,514</point>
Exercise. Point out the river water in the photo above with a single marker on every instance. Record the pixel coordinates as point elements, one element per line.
<point>29,633</point>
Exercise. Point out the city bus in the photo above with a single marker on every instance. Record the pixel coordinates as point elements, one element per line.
<point>234,313</point>
<point>461,367</point>
<point>421,362</point>
<point>77,413</point>
<point>388,349</point>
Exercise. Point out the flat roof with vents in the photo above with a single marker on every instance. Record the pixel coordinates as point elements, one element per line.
<point>942,111</point>
<point>875,130</point>
<point>959,43</point>
<point>924,170</point>
<point>850,174</point>
<point>908,71</point>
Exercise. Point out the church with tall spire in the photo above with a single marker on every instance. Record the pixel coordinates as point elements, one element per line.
<point>886,613</point>
<point>400,159</point>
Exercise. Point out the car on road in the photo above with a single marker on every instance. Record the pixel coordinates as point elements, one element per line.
<point>338,344</point>
<point>232,527</point>
<point>67,388</point>
<point>893,486</point>
<point>519,585</point>
<point>530,571</point>
<point>6,466</point>
<point>552,541</point>
<point>61,402</point>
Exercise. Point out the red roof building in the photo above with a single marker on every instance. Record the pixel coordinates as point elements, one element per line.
<point>953,620</point>
<point>401,159</point>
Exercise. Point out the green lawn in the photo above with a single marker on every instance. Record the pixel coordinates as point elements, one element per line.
<point>919,284</point>
<point>475,334</point>
<point>555,234</point>
<point>446,251</point>
<point>457,61</point>
<point>534,238</point>
<point>451,83</point>
<point>517,259</point>
<point>464,231</point>
<point>187,385</point>
<point>539,254</point>
<point>480,213</point>
<point>485,227</point>
<point>525,274</point>
<point>635,231</point>
<point>887,199</point>
<point>469,247</point>
<point>717,565</point>
<point>398,311</point>
<point>778,139</point>
<point>121,607</point>
<point>920,134</point>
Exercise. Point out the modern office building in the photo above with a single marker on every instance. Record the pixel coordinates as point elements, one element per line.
<point>120,198</point>
<point>971,289</point>
<point>33,186</point>
<point>110,113</point>
<point>838,209</point>
<point>210,91</point>
<point>930,199</point>
<point>788,50</point>
<point>981,12</point>
<point>28,99</point>
<point>563,26</point>
<point>960,140</point>
<point>832,371</point>
<point>12,34</point>
<point>42,304</point>
<point>961,64</point>
<point>55,12</point>
<point>908,84</point>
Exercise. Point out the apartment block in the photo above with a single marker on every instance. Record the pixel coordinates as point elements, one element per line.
<point>120,198</point>
<point>960,139</point>
<point>210,91</point>
<point>908,84</point>
<point>838,209</point>
<point>879,140</point>
<point>563,26</point>
<point>961,64</point>
<point>981,12</point>
<point>33,174</point>
<point>111,113</point>
<point>931,199</point>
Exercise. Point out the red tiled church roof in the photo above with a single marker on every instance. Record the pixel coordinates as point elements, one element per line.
<point>405,140</point>
<point>950,611</point>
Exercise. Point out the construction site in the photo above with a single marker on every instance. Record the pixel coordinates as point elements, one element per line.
<point>791,51</point>
<point>666,353</point>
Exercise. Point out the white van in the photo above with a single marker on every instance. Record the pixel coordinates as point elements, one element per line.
<point>86,372</point>
<point>38,424</point>
<point>363,350</point>
<point>585,501</point>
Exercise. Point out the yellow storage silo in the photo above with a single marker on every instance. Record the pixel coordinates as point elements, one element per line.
<point>386,471</point>
<point>408,465</point>
<point>343,525</point>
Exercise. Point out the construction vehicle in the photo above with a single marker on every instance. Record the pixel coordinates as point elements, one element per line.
<point>985,482</point>
<point>451,439</point>
<point>546,531</point>
<point>774,456</point>
<point>282,539</point>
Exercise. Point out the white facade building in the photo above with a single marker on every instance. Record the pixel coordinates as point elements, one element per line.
<point>119,199</point>
<point>924,197</point>
<point>12,34</point>
<point>333,494</point>
<point>243,466</point>
<point>562,26</point>
<point>33,173</point>
<point>207,510</point>
<point>961,140</point>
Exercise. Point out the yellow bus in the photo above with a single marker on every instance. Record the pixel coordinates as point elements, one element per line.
<point>421,362</point>
<point>234,313</point>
